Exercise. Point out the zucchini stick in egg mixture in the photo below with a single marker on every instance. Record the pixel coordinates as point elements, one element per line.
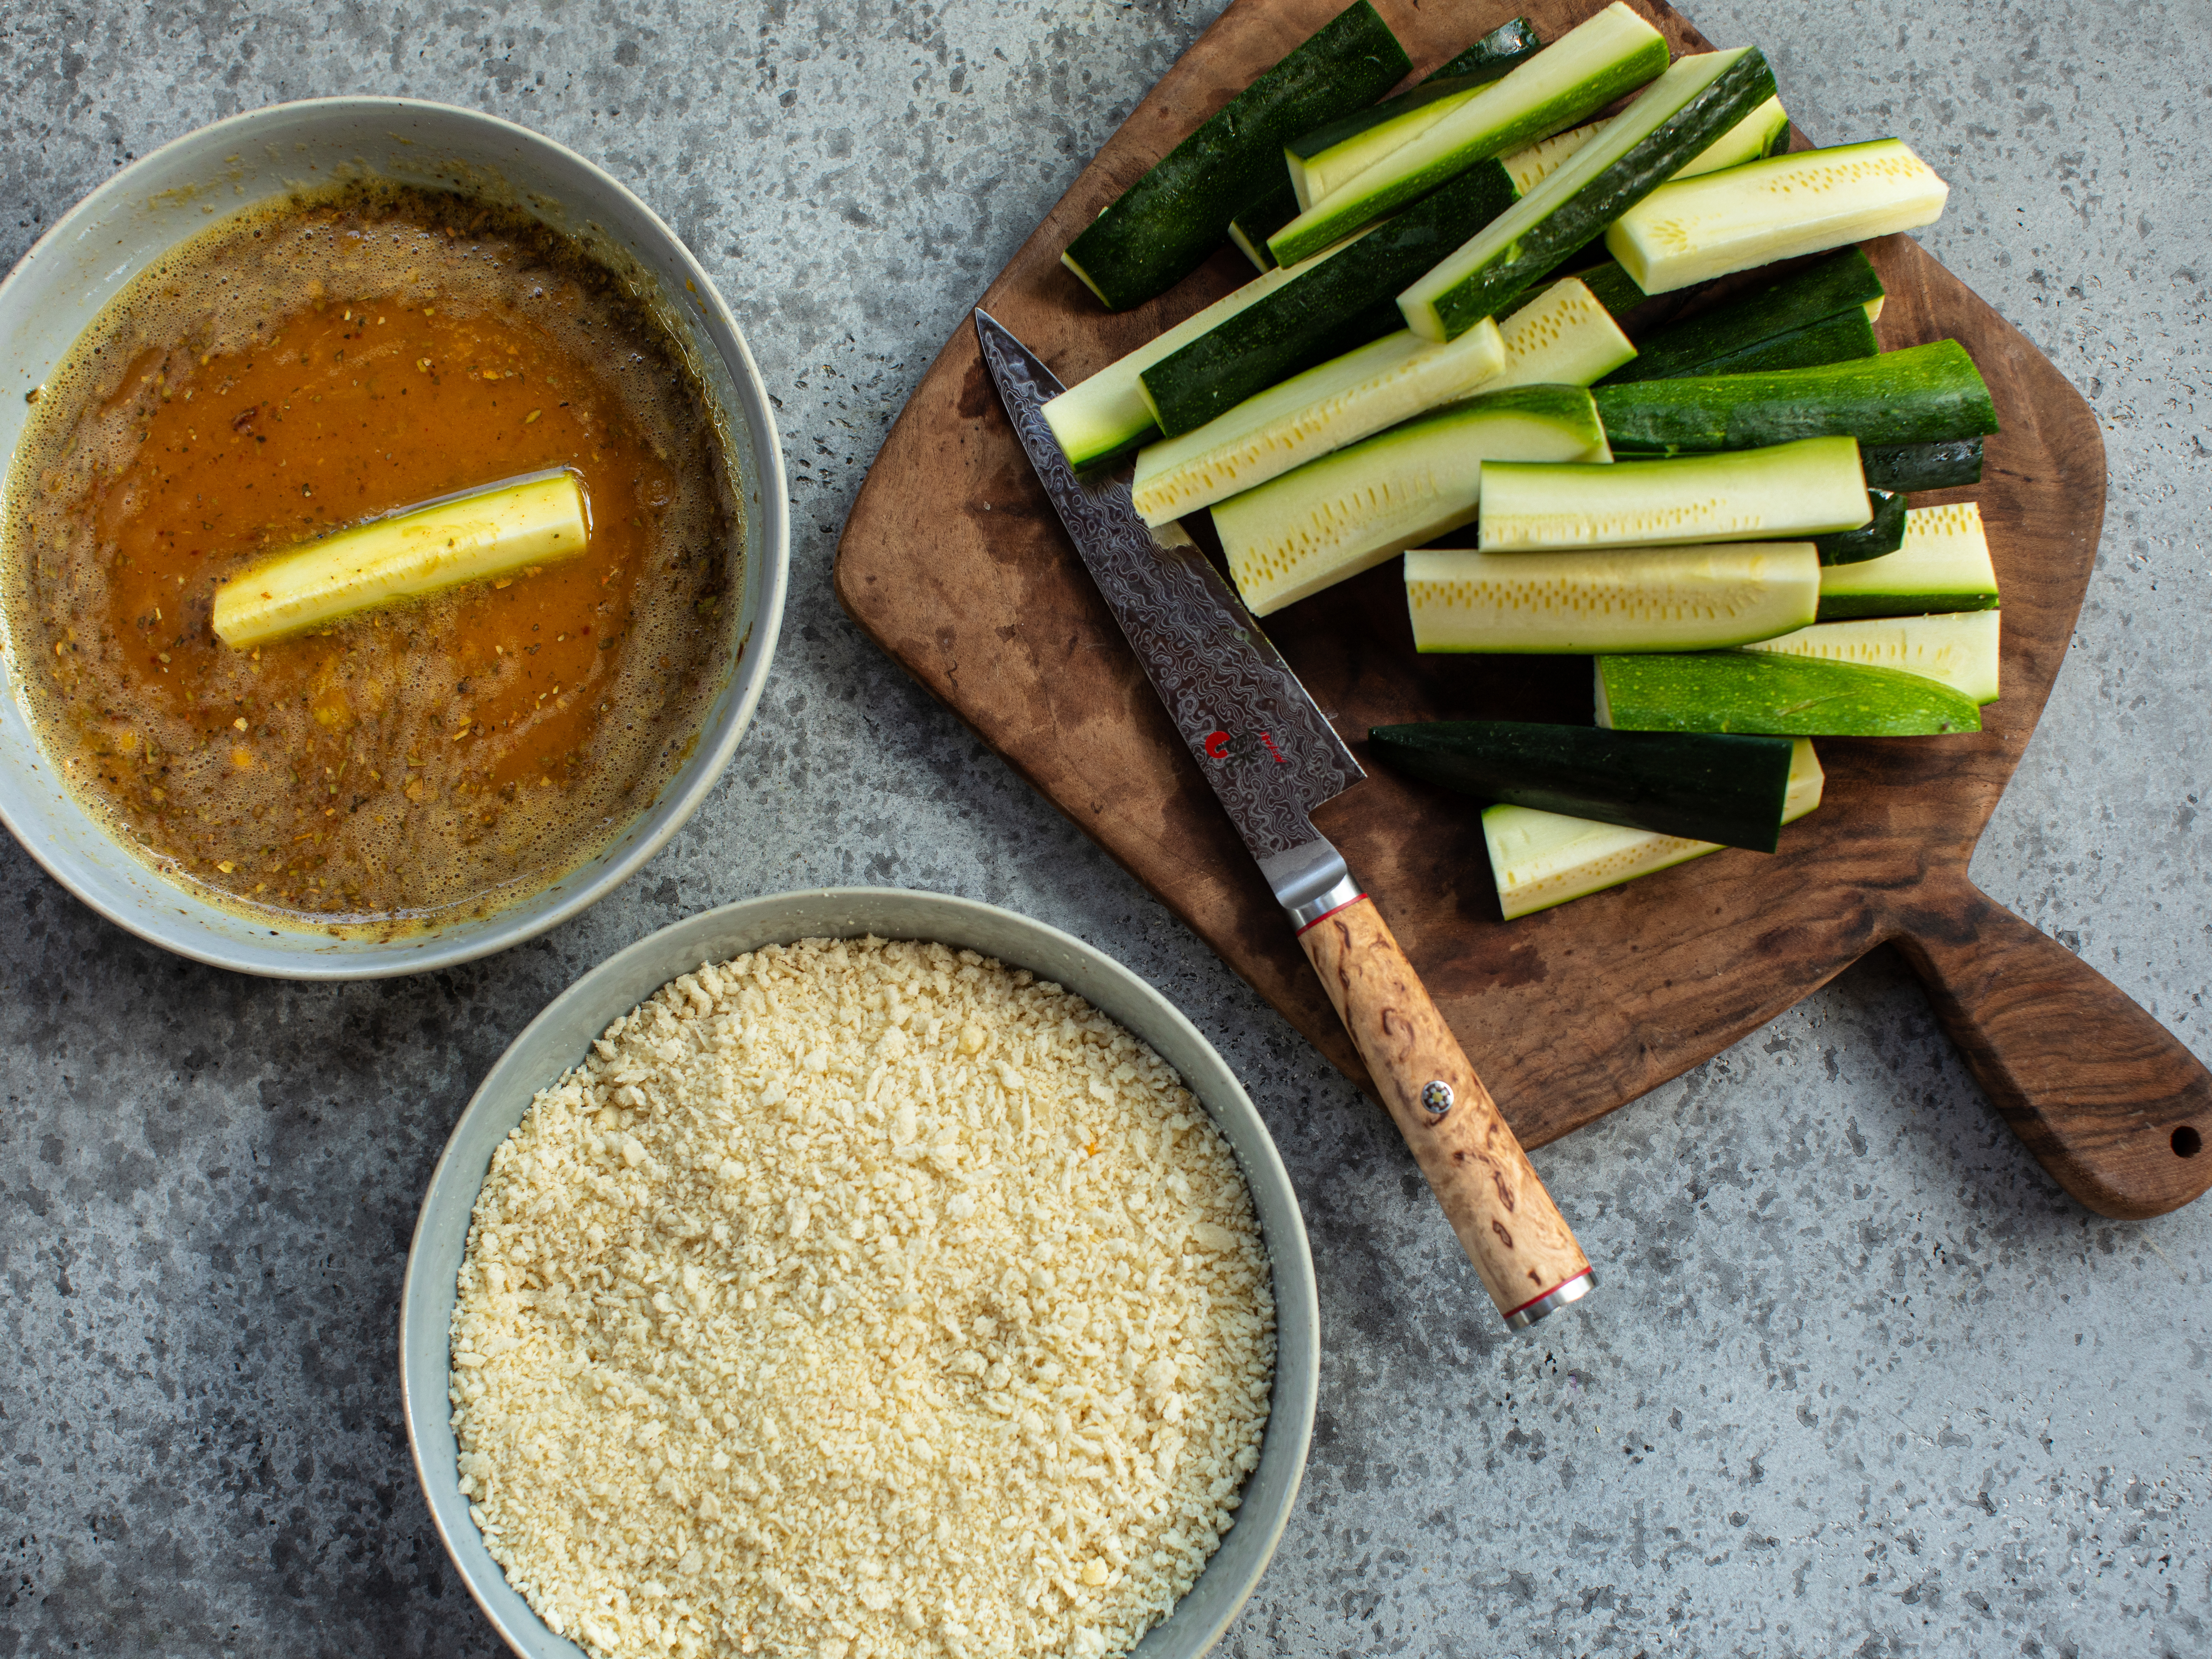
<point>464,539</point>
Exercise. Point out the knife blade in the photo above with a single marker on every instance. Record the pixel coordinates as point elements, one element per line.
<point>1271,758</point>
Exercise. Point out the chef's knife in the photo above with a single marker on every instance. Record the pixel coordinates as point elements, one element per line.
<point>1271,758</point>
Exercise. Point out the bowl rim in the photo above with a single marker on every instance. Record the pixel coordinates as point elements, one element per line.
<point>179,931</point>
<point>1295,1389</point>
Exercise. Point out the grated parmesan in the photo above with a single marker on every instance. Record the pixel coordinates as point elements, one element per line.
<point>861,1300</point>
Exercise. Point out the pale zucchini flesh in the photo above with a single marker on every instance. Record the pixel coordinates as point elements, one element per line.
<point>1328,407</point>
<point>1105,415</point>
<point>1329,520</point>
<point>1959,649</point>
<point>1645,598</point>
<point>476,536</point>
<point>1943,565</point>
<point>1538,860</point>
<point>1696,229</point>
<point>1760,134</point>
<point>1809,488</point>
<point>1530,168</point>
<point>1564,337</point>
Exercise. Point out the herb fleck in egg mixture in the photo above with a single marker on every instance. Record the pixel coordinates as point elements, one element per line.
<point>856,1299</point>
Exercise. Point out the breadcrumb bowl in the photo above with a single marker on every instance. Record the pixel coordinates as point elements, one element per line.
<point>559,1039</point>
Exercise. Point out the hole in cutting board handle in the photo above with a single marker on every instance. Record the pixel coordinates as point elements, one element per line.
<point>2187,1143</point>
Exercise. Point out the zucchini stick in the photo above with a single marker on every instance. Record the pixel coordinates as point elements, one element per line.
<point>463,539</point>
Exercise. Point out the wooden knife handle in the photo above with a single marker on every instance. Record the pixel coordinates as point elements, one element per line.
<point>1505,1220</point>
<point>2109,1103</point>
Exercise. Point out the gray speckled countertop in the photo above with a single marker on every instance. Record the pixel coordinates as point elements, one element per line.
<point>1860,1380</point>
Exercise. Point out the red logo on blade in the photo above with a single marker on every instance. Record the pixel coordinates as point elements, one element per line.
<point>1217,744</point>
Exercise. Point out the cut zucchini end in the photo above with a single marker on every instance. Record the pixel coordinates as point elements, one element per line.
<point>1538,860</point>
<point>1091,435</point>
<point>1264,601</point>
<point>1762,133</point>
<point>1255,252</point>
<point>1564,336</point>
<point>1807,781</point>
<point>1068,259</point>
<point>1941,567</point>
<point>1422,317</point>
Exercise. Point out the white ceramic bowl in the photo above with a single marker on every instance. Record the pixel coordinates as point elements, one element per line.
<point>558,1038</point>
<point>177,192</point>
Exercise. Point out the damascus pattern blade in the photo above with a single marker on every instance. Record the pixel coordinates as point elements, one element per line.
<point>1252,728</point>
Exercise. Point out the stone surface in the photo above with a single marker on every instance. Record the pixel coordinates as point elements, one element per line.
<point>1860,1380</point>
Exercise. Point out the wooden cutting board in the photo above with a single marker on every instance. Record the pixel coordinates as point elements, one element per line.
<point>954,562</point>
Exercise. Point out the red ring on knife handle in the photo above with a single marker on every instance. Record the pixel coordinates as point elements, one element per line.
<point>1331,911</point>
<point>1541,1295</point>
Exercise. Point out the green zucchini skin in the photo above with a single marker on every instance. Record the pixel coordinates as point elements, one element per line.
<point>1882,534</point>
<point>1488,59</point>
<point>1720,341</point>
<point>1582,216</point>
<point>1786,696</point>
<point>1343,302</point>
<point>1251,225</point>
<point>1856,608</point>
<point>1491,57</point>
<point>1842,338</point>
<point>1706,786</point>
<point>1924,394</point>
<point>1165,225</point>
<point>1905,467</point>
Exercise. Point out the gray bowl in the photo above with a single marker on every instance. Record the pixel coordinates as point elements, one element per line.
<point>558,1038</point>
<point>178,191</point>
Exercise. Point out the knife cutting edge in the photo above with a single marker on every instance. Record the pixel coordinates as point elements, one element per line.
<point>1271,758</point>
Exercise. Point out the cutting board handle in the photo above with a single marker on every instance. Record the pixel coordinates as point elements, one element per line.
<point>1506,1222</point>
<point>2108,1099</point>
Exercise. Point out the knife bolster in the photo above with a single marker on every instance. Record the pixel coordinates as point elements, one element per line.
<point>1310,881</point>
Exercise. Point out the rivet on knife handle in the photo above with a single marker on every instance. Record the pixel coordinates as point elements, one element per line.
<point>1506,1222</point>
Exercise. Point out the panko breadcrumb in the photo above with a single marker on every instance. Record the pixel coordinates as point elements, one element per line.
<point>861,1300</point>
